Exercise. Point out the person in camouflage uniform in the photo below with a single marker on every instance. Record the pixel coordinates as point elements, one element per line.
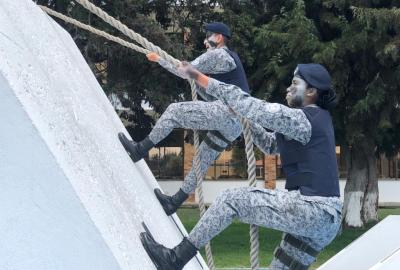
<point>309,211</point>
<point>211,114</point>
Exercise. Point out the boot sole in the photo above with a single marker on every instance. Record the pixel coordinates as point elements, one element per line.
<point>147,231</point>
<point>159,195</point>
<point>127,144</point>
<point>144,243</point>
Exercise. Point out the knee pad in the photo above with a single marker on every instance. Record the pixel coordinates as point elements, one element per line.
<point>215,140</point>
<point>290,261</point>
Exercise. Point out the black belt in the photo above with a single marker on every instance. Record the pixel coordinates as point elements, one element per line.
<point>218,134</point>
<point>300,245</point>
<point>281,255</point>
<point>212,144</point>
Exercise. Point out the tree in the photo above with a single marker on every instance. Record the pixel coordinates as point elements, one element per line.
<point>368,78</point>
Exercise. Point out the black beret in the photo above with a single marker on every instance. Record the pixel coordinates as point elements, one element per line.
<point>315,75</point>
<point>219,28</point>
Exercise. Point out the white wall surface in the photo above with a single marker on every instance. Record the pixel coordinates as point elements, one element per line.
<point>375,249</point>
<point>40,215</point>
<point>389,190</point>
<point>70,197</point>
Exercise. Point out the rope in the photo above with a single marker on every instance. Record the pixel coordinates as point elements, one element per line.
<point>126,31</point>
<point>251,171</point>
<point>94,30</point>
<point>153,48</point>
<point>199,177</point>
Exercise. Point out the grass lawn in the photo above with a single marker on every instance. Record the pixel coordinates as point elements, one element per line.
<point>231,248</point>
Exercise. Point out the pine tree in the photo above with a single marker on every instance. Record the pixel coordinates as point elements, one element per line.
<point>367,75</point>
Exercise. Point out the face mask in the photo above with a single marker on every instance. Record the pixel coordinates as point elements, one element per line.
<point>206,44</point>
<point>210,37</point>
<point>296,91</point>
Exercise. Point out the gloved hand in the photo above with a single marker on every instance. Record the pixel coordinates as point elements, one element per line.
<point>187,70</point>
<point>153,57</point>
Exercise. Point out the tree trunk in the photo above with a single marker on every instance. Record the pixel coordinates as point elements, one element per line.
<point>361,191</point>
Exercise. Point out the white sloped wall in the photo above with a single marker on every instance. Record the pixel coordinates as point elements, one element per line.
<point>70,197</point>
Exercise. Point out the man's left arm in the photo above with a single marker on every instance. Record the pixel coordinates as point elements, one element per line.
<point>264,140</point>
<point>288,121</point>
<point>214,61</point>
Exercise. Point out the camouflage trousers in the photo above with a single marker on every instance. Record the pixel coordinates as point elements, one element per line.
<point>314,222</point>
<point>198,115</point>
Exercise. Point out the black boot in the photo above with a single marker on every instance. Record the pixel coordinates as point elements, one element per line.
<point>137,151</point>
<point>171,203</point>
<point>166,258</point>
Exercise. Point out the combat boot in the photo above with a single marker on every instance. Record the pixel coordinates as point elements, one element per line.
<point>171,203</point>
<point>137,151</point>
<point>166,258</point>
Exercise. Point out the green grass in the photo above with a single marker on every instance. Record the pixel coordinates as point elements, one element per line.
<point>231,248</point>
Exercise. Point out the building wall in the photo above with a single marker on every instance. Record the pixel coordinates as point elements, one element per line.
<point>388,168</point>
<point>216,172</point>
<point>389,190</point>
<point>270,167</point>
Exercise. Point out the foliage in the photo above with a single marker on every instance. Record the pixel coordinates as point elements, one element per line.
<point>358,41</point>
<point>169,165</point>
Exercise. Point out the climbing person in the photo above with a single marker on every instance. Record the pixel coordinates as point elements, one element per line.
<point>308,212</point>
<point>211,114</point>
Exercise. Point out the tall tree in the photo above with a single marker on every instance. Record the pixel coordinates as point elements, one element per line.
<point>368,76</point>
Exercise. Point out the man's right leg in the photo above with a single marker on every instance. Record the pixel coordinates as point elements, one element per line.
<point>297,252</point>
<point>197,115</point>
<point>308,222</point>
<point>208,152</point>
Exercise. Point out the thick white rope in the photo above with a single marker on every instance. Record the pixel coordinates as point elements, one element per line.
<point>94,30</point>
<point>251,172</point>
<point>126,31</point>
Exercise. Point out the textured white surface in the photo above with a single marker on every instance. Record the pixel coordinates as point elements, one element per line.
<point>70,197</point>
<point>390,262</point>
<point>375,248</point>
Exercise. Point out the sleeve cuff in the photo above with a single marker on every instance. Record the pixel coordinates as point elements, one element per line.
<point>162,62</point>
<point>212,87</point>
